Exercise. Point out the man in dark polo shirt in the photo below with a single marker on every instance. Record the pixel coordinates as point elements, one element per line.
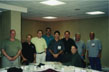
<point>56,47</point>
<point>68,42</point>
<point>28,51</point>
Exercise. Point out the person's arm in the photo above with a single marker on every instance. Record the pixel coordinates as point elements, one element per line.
<point>99,54</point>
<point>6,55</point>
<point>34,58</point>
<point>4,52</point>
<point>87,53</point>
<point>61,51</point>
<point>23,58</point>
<point>45,45</point>
<point>100,49</point>
<point>19,51</point>
<point>50,47</point>
<point>56,55</point>
<point>51,51</point>
<point>18,54</point>
<point>84,50</point>
<point>35,52</point>
<point>45,50</point>
<point>87,47</point>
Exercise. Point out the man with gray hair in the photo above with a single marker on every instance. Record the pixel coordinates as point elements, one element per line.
<point>80,44</point>
<point>11,50</point>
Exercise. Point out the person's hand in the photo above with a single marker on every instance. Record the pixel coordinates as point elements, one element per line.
<point>99,55</point>
<point>14,58</point>
<point>82,55</point>
<point>24,59</point>
<point>9,58</point>
<point>55,55</point>
<point>34,61</point>
<point>87,57</point>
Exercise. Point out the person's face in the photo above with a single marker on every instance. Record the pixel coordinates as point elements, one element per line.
<point>28,38</point>
<point>92,36</point>
<point>77,37</point>
<point>73,50</point>
<point>13,34</point>
<point>67,35</point>
<point>56,35</point>
<point>48,31</point>
<point>39,34</point>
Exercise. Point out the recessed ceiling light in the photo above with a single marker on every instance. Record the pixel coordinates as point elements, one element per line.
<point>52,2</point>
<point>49,17</point>
<point>95,13</point>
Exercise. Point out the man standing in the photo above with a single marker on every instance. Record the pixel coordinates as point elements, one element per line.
<point>56,47</point>
<point>41,46</point>
<point>48,37</point>
<point>94,48</point>
<point>68,42</point>
<point>28,51</point>
<point>11,50</point>
<point>80,44</point>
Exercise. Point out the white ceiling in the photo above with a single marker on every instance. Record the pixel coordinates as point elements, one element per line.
<point>64,12</point>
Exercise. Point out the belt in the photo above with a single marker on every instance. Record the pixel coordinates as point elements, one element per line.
<point>41,52</point>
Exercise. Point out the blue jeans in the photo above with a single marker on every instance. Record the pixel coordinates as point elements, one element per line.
<point>95,63</point>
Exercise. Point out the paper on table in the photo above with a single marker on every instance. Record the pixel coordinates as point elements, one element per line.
<point>3,70</point>
<point>95,71</point>
<point>83,71</point>
<point>77,70</point>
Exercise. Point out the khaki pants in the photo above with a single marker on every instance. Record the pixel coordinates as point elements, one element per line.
<point>40,58</point>
<point>7,63</point>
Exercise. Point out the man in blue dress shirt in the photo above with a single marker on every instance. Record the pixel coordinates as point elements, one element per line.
<point>56,47</point>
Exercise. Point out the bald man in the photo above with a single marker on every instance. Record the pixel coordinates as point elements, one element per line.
<point>94,48</point>
<point>80,44</point>
<point>11,50</point>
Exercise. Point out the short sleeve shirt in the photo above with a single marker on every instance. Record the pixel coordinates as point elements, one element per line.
<point>56,46</point>
<point>68,43</point>
<point>93,47</point>
<point>28,51</point>
<point>81,46</point>
<point>40,44</point>
<point>11,47</point>
<point>48,39</point>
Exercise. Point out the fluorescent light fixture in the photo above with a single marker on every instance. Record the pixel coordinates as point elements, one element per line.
<point>49,17</point>
<point>52,2</point>
<point>95,13</point>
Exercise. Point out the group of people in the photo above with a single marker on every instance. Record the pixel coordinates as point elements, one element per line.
<point>51,48</point>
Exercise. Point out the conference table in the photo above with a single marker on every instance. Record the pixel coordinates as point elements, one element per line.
<point>33,67</point>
